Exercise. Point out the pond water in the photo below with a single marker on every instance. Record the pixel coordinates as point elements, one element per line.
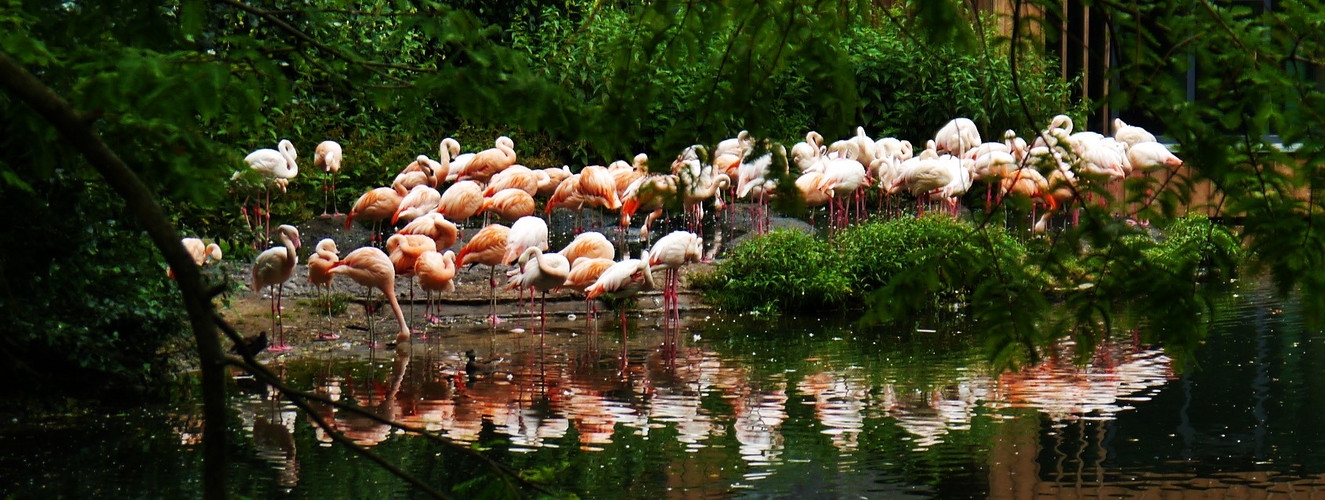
<point>743,406</point>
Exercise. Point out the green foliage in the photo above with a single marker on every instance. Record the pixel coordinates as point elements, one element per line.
<point>783,270</point>
<point>1252,128</point>
<point>910,267</point>
<point>1194,246</point>
<point>909,89</point>
<point>876,252</point>
<point>89,309</point>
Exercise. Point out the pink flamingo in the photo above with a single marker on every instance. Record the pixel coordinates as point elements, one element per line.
<point>319,267</point>
<point>273,268</point>
<point>327,157</point>
<point>370,267</point>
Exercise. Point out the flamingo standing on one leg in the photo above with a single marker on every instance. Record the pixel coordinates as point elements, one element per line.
<point>370,267</point>
<point>273,268</point>
<point>623,280</point>
<point>319,265</point>
<point>526,232</point>
<point>327,157</point>
<point>487,247</point>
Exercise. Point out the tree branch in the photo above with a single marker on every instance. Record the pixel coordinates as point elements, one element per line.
<point>76,128</point>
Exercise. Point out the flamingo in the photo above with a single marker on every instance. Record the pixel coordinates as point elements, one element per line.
<point>739,145</point>
<point>461,201</point>
<point>992,164</point>
<point>420,200</point>
<point>759,177</point>
<point>273,268</point>
<point>1059,130</point>
<point>327,157</point>
<point>588,245</point>
<point>1029,183</point>
<point>593,186</point>
<point>841,178</point>
<point>319,266</point>
<point>548,185</point>
<point>404,251</point>
<point>199,251</point>
<point>1151,156</point>
<point>449,152</point>
<point>526,232</point>
<point>808,184</point>
<point>807,154</point>
<point>540,272</point>
<point>702,187</point>
<point>435,226</point>
<point>1131,134</point>
<point>598,185</point>
<point>671,252</point>
<point>623,280</point>
<point>487,247</point>
<point>509,204</point>
<point>436,273</point>
<point>272,165</point>
<point>624,174</point>
<point>957,136</point>
<point>921,176</point>
<point>1147,156</point>
<point>650,194</point>
<point>488,162</point>
<point>867,149</point>
<point>585,272</point>
<point>376,206</point>
<point>1062,189</point>
<point>518,177</point>
<point>370,267</point>
<point>418,173</point>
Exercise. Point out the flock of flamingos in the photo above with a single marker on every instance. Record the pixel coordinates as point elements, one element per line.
<point>1046,170</point>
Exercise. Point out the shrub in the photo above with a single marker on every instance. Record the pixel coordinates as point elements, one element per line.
<point>85,297</point>
<point>1195,244</point>
<point>876,252</point>
<point>782,270</point>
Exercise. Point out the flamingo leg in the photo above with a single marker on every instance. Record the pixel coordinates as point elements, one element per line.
<point>492,295</point>
<point>325,195</point>
<point>334,208</point>
<point>277,322</point>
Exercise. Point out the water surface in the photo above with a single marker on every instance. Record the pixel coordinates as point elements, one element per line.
<point>744,406</point>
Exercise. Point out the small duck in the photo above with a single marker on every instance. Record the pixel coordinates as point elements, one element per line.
<point>475,367</point>
<point>251,345</point>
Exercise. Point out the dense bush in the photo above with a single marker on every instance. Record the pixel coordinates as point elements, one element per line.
<point>897,85</point>
<point>909,90</point>
<point>783,270</point>
<point>85,299</point>
<point>874,253</point>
